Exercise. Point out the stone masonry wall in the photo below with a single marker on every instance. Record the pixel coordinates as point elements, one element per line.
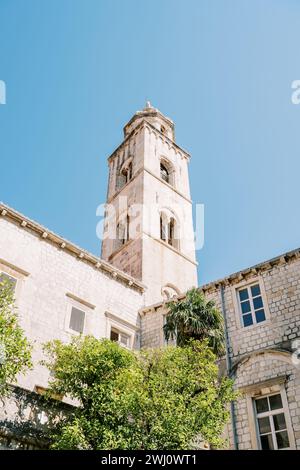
<point>52,281</point>
<point>259,353</point>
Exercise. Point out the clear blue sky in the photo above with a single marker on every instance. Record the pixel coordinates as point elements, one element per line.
<point>76,70</point>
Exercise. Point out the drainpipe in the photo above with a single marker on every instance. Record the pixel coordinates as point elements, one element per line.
<point>229,367</point>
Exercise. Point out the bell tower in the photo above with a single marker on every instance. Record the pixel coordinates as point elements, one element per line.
<point>148,228</point>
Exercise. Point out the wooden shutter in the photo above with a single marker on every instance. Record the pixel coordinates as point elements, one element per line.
<point>77,320</point>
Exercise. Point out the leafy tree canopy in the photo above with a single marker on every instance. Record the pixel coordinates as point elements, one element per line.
<point>15,350</point>
<point>154,399</point>
<point>195,317</point>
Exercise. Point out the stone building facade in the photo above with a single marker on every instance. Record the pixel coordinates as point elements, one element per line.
<point>261,307</point>
<point>148,257</point>
<point>60,291</point>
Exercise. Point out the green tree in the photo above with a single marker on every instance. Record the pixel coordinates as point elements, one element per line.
<point>154,399</point>
<point>15,350</point>
<point>195,317</point>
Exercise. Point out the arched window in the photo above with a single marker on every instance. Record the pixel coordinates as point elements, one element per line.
<point>124,174</point>
<point>120,181</point>
<point>163,130</point>
<point>164,173</point>
<point>127,173</point>
<point>169,230</point>
<point>127,227</point>
<point>167,171</point>
<point>163,229</point>
<point>171,235</point>
<point>122,233</point>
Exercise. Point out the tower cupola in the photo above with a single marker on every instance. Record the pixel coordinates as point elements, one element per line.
<point>162,123</point>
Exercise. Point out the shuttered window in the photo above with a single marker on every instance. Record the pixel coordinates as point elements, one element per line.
<point>77,320</point>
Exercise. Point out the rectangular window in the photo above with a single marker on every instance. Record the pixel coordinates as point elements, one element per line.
<point>9,279</point>
<point>251,305</point>
<point>271,423</point>
<point>120,337</point>
<point>77,320</point>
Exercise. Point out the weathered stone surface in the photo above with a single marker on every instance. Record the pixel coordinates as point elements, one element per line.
<point>260,352</point>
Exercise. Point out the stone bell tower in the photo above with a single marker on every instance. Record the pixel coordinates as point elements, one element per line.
<point>148,229</point>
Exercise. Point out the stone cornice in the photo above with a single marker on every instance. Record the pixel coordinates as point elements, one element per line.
<point>125,141</point>
<point>167,184</point>
<point>144,123</point>
<point>14,267</point>
<point>234,278</point>
<point>116,194</point>
<point>154,307</point>
<point>80,300</point>
<point>152,112</point>
<point>120,320</point>
<point>145,169</point>
<point>70,248</point>
<point>170,247</point>
<point>167,140</point>
<point>238,276</point>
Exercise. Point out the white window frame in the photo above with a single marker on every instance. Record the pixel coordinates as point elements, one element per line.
<point>237,305</point>
<point>261,390</point>
<point>16,273</point>
<point>120,333</point>
<point>268,414</point>
<point>11,276</point>
<point>250,300</point>
<point>113,322</point>
<point>68,319</point>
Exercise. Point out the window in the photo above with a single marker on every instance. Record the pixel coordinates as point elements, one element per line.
<point>163,229</point>
<point>251,305</point>
<point>122,235</point>
<point>127,173</point>
<point>77,320</point>
<point>124,174</point>
<point>168,231</point>
<point>171,227</point>
<point>163,130</point>
<point>164,173</point>
<point>167,171</point>
<point>121,331</point>
<point>9,280</point>
<point>271,423</point>
<point>119,337</point>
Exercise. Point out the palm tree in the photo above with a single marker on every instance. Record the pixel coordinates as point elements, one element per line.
<point>194,317</point>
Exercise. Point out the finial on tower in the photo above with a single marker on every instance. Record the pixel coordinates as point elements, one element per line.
<point>148,105</point>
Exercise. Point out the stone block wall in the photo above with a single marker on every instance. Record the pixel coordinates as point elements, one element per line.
<point>51,280</point>
<point>263,356</point>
